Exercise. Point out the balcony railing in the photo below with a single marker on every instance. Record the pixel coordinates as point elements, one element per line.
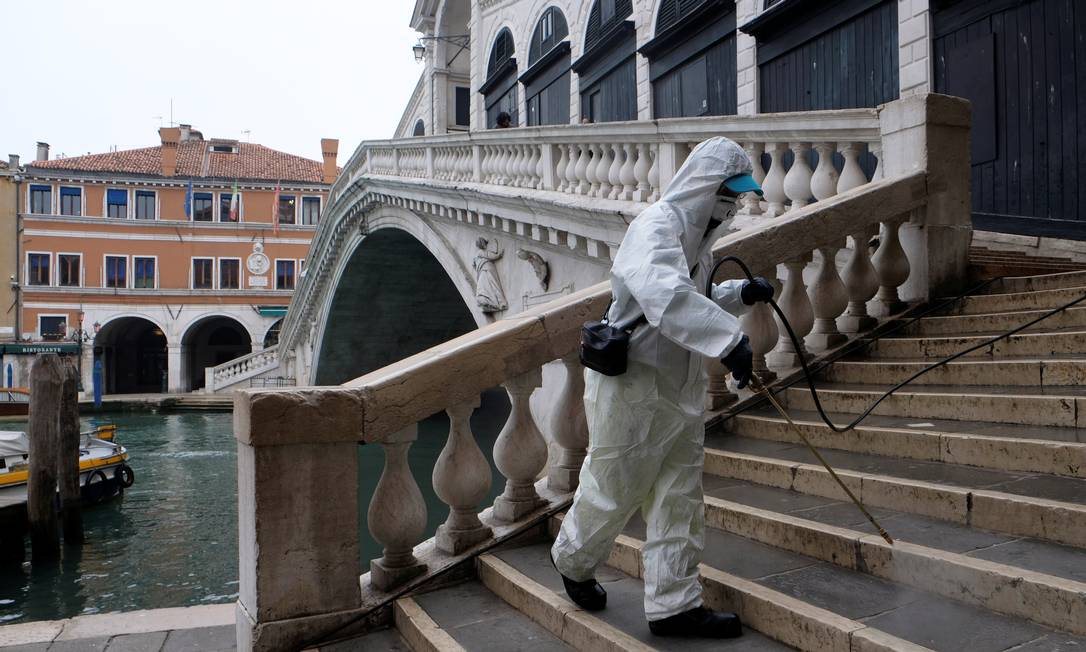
<point>300,571</point>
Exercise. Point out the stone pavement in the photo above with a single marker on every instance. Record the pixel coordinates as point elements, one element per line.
<point>208,628</point>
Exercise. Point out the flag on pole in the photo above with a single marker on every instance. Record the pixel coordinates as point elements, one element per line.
<point>275,210</point>
<point>235,203</point>
<point>188,201</point>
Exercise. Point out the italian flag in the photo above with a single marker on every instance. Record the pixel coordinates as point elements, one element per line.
<point>235,203</point>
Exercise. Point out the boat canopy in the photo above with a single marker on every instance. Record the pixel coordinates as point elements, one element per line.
<point>13,443</point>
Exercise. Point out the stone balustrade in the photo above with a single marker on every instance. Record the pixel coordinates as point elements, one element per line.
<point>240,369</point>
<point>633,161</point>
<point>299,508</point>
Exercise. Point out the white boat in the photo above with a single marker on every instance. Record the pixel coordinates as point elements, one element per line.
<point>103,468</point>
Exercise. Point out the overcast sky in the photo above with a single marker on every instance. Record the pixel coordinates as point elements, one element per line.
<point>87,75</point>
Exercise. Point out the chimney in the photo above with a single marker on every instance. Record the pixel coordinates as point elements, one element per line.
<point>170,136</point>
<point>43,152</point>
<point>329,150</point>
<point>13,161</point>
<point>186,130</point>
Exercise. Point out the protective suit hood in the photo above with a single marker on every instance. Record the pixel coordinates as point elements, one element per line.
<point>691,195</point>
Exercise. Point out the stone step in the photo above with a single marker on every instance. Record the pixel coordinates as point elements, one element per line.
<point>1045,507</point>
<point>1034,283</point>
<point>927,554</point>
<point>469,617</point>
<point>1040,372</point>
<point>1060,406</point>
<point>525,579</point>
<point>1061,343</point>
<point>891,610</point>
<point>384,640</point>
<point>1016,301</point>
<point>999,322</point>
<point>1003,447</point>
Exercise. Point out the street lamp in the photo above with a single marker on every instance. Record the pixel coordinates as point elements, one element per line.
<point>461,40</point>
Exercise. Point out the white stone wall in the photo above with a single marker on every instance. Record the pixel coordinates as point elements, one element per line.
<point>914,46</point>
<point>746,60</point>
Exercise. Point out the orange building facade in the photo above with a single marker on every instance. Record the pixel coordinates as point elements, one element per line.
<point>157,263</point>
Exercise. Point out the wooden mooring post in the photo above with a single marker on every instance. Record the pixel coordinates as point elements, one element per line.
<point>68,459</point>
<point>46,381</point>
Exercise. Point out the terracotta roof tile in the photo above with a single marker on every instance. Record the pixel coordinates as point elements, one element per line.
<point>195,160</point>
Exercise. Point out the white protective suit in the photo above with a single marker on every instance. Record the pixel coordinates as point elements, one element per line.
<point>646,430</point>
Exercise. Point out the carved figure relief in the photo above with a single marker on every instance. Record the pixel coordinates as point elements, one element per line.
<point>541,268</point>
<point>488,288</point>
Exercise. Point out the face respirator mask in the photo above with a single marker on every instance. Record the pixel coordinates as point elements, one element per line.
<point>723,212</point>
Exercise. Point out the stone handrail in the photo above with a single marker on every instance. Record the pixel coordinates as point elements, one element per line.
<point>620,161</point>
<point>239,369</point>
<point>300,573</point>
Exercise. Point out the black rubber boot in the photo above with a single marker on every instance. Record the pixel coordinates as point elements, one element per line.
<point>587,595</point>
<point>699,622</point>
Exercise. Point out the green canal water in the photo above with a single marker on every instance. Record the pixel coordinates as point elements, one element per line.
<point>171,540</point>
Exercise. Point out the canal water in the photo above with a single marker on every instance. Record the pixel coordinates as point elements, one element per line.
<point>171,540</point>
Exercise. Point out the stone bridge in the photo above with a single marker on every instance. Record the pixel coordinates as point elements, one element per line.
<point>415,226</point>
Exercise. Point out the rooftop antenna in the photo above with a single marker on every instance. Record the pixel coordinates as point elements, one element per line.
<point>248,133</point>
<point>172,123</point>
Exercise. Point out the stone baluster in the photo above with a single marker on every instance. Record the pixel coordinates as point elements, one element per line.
<point>641,174</point>
<point>626,172</point>
<point>528,164</point>
<point>654,173</point>
<point>461,480</point>
<point>537,157</point>
<point>861,282</point>
<point>590,170</point>
<point>760,326</point>
<point>573,182</point>
<point>797,183</point>
<point>584,185</point>
<point>520,451</point>
<point>485,164</point>
<point>397,515</point>
<point>773,184</point>
<point>516,165</point>
<point>829,298</point>
<point>614,172</point>
<point>560,169</point>
<point>796,306</point>
<point>892,267</point>
<point>718,396</point>
<point>497,164</point>
<point>603,168</point>
<point>825,179</point>
<point>876,150</point>
<point>752,204</point>
<point>570,428</point>
<point>852,175</point>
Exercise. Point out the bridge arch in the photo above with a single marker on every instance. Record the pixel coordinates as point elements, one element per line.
<point>401,290</point>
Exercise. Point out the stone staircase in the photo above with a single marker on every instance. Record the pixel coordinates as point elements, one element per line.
<point>978,471</point>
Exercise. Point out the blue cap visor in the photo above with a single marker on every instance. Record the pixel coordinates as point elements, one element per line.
<point>741,183</point>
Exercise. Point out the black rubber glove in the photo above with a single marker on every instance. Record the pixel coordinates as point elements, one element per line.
<point>740,361</point>
<point>759,289</point>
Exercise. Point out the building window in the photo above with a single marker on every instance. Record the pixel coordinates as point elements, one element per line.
<point>116,272</point>
<point>53,327</point>
<point>41,200</point>
<point>203,273</point>
<point>143,272</point>
<point>203,207</point>
<point>68,270</point>
<point>117,203</point>
<point>284,275</point>
<point>286,209</point>
<point>37,269</point>
<point>145,205</point>
<point>463,106</point>
<point>71,201</point>
<point>229,273</point>
<point>311,210</point>
<point>225,214</point>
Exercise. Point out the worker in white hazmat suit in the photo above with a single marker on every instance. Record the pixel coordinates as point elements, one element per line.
<point>646,429</point>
